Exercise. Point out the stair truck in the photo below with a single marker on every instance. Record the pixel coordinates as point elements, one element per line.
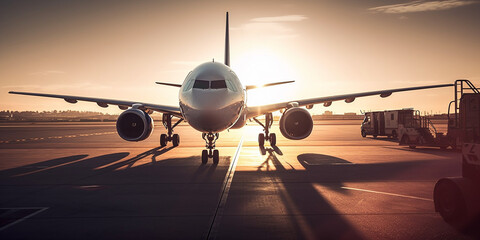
<point>465,115</point>
<point>457,199</point>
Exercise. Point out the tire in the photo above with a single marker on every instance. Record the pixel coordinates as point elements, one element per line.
<point>364,134</point>
<point>204,156</point>
<point>449,201</point>
<point>261,139</point>
<point>273,139</point>
<point>216,156</point>
<point>175,140</point>
<point>163,140</point>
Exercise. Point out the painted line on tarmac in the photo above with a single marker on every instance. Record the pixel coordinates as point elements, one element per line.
<point>55,137</point>
<point>40,209</point>
<point>213,230</point>
<point>390,194</point>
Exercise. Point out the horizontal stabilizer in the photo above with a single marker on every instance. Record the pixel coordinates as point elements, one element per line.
<point>169,84</point>
<point>248,87</point>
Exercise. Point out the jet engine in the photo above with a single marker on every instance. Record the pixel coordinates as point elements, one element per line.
<point>134,125</point>
<point>296,123</point>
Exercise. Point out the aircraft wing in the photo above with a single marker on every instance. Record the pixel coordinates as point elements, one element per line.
<point>327,101</point>
<point>102,102</point>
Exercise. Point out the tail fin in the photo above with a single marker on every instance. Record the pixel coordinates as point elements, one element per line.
<point>227,45</point>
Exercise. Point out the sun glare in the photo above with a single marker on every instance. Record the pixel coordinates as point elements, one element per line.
<point>260,67</point>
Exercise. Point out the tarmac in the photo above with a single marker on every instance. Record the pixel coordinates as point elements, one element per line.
<point>81,180</point>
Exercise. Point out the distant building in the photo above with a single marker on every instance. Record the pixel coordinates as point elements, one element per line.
<point>4,116</point>
<point>350,114</point>
<point>328,113</point>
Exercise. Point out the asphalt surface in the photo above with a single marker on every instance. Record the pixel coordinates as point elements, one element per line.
<point>81,180</point>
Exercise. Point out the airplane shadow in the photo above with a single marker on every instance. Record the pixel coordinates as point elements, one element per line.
<point>306,211</point>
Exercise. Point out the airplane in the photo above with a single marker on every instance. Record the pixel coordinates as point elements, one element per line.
<point>211,100</point>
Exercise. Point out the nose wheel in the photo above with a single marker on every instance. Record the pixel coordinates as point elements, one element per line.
<point>170,137</point>
<point>210,152</point>
<point>267,136</point>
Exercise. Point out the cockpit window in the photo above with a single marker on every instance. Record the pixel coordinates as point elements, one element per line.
<point>218,84</point>
<point>231,86</point>
<point>202,84</point>
<point>188,85</point>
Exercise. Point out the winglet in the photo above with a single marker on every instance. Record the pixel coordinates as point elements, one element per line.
<point>227,44</point>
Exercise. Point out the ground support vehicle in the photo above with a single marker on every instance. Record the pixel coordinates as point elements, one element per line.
<point>386,123</point>
<point>463,123</point>
<point>457,199</point>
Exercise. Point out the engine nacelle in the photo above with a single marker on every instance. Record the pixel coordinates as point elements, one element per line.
<point>296,123</point>
<point>134,125</point>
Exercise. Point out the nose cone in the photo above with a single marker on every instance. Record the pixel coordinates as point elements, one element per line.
<point>209,100</point>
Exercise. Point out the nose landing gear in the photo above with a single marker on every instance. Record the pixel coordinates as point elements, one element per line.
<point>210,152</point>
<point>174,138</point>
<point>271,137</point>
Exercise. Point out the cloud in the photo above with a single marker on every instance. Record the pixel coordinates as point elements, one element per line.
<point>286,18</point>
<point>49,72</point>
<point>421,6</point>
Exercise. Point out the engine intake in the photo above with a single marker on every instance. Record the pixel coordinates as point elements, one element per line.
<point>296,123</point>
<point>134,125</point>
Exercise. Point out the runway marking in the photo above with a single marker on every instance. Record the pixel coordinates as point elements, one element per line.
<point>13,210</point>
<point>390,194</point>
<point>44,168</point>
<point>32,139</point>
<point>212,232</point>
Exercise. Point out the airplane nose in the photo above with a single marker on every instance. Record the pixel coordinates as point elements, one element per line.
<point>210,100</point>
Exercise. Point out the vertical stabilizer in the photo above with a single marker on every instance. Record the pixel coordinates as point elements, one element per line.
<point>227,45</point>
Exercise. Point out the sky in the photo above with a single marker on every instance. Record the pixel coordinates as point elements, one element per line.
<point>118,49</point>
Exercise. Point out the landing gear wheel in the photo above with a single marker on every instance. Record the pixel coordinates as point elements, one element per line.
<point>273,139</point>
<point>163,140</point>
<point>175,140</point>
<point>167,123</point>
<point>210,152</point>
<point>364,134</point>
<point>412,146</point>
<point>374,136</point>
<point>216,156</point>
<point>204,156</point>
<point>261,139</point>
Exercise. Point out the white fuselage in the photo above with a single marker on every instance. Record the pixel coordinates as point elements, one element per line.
<point>212,98</point>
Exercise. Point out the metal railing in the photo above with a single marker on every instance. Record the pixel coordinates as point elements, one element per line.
<point>460,86</point>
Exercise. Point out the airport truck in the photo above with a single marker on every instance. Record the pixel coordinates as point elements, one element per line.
<point>457,199</point>
<point>387,123</point>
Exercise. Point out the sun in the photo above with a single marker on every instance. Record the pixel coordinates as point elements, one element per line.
<point>262,66</point>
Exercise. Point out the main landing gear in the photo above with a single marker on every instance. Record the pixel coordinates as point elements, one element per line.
<point>210,139</point>
<point>174,138</point>
<point>271,137</point>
